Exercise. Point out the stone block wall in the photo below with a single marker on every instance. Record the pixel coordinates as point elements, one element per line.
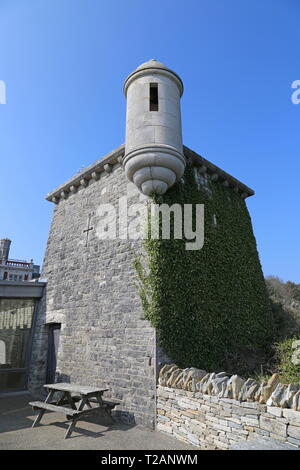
<point>211,421</point>
<point>92,292</point>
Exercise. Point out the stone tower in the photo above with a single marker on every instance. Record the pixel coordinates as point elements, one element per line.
<point>4,248</point>
<point>202,306</point>
<point>154,158</point>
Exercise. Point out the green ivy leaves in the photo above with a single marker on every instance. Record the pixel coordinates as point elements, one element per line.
<point>207,305</point>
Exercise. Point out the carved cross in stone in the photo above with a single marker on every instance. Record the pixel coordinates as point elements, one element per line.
<point>87,230</point>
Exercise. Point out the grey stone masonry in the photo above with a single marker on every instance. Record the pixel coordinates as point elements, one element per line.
<point>91,290</point>
<point>210,422</point>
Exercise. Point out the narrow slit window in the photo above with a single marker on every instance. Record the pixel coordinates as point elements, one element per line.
<point>153,105</point>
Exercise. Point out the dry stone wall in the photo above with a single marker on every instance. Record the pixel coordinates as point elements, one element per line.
<point>214,411</point>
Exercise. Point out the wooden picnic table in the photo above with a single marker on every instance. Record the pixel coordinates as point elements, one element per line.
<point>73,399</point>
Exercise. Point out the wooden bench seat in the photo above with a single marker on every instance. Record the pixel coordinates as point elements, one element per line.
<point>71,414</point>
<point>106,403</point>
<point>40,405</point>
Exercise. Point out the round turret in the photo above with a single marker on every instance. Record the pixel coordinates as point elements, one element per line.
<point>153,158</point>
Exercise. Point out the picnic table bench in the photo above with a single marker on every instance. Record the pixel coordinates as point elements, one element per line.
<point>83,394</point>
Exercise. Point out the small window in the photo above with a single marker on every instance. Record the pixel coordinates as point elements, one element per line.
<point>153,102</point>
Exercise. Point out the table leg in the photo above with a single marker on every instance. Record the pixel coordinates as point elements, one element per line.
<point>74,421</point>
<point>38,418</point>
<point>71,401</point>
<point>71,427</point>
<point>61,400</point>
<point>41,413</point>
<point>101,405</point>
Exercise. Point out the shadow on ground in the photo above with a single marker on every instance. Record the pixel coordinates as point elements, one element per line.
<point>15,413</point>
<point>93,432</point>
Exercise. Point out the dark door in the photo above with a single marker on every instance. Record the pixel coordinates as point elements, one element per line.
<point>53,342</point>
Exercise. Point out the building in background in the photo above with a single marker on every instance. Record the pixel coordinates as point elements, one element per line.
<point>15,270</point>
<point>18,306</point>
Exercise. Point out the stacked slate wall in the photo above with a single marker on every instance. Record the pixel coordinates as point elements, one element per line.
<point>215,411</point>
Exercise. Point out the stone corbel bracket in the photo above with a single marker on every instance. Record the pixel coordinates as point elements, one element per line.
<point>93,172</point>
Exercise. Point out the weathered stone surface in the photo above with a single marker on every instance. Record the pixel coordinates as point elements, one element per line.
<point>219,385</point>
<point>269,388</point>
<point>276,396</point>
<point>164,370</point>
<point>294,441</point>
<point>292,416</point>
<point>228,392</point>
<point>287,397</point>
<point>245,388</point>
<point>272,425</point>
<point>171,380</point>
<point>273,410</point>
<point>250,393</point>
<point>164,428</point>
<point>193,439</point>
<point>250,421</point>
<point>193,377</point>
<point>293,431</point>
<point>208,386</point>
<point>213,420</point>
<point>92,291</point>
<point>296,401</point>
<point>259,391</point>
<point>201,382</point>
<point>165,373</point>
<point>178,380</point>
<point>236,384</point>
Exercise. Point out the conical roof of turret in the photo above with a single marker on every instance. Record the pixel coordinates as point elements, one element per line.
<point>153,64</point>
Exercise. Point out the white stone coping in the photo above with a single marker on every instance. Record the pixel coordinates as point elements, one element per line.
<point>106,163</point>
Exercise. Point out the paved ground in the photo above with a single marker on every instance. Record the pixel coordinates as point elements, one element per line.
<point>16,418</point>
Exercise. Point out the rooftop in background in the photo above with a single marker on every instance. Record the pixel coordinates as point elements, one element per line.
<point>14,269</point>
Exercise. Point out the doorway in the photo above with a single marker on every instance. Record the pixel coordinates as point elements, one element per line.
<point>53,343</point>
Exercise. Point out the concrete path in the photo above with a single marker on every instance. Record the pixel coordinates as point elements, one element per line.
<point>16,418</point>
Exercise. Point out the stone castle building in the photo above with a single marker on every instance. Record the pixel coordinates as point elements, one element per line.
<point>92,302</point>
<point>14,269</point>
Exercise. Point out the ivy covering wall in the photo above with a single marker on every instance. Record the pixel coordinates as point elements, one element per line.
<point>210,307</point>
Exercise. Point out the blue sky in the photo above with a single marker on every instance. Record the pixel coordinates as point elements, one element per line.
<point>64,63</point>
